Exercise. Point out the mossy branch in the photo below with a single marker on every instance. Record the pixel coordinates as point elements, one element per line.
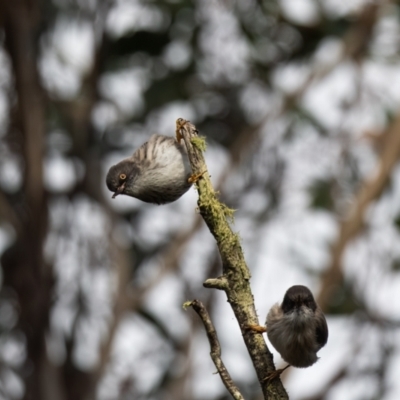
<point>235,273</point>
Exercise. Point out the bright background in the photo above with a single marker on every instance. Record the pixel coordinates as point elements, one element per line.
<point>300,103</point>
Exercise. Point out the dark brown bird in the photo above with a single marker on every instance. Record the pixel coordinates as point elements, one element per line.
<point>158,172</point>
<point>297,328</point>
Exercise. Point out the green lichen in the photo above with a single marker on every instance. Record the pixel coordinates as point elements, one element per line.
<point>228,212</point>
<point>186,304</point>
<point>199,142</point>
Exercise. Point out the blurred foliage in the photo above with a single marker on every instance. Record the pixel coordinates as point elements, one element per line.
<point>321,195</point>
<point>91,291</point>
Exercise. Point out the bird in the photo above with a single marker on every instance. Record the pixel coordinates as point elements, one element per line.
<point>297,328</point>
<point>158,172</point>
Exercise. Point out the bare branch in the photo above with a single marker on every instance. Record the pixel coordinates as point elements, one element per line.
<point>236,274</point>
<point>220,283</point>
<point>216,349</point>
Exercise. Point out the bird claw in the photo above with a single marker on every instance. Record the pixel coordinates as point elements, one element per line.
<point>180,122</point>
<point>195,177</point>
<point>256,328</point>
<point>275,374</point>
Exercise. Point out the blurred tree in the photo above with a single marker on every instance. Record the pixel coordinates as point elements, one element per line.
<point>300,104</point>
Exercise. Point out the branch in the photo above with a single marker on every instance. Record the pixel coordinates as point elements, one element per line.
<point>355,41</point>
<point>370,190</point>
<point>215,348</point>
<point>236,275</point>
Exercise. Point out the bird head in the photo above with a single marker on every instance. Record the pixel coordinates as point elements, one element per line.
<point>297,298</point>
<point>121,176</point>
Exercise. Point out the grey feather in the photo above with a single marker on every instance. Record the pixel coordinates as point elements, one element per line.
<point>157,172</point>
<point>297,328</point>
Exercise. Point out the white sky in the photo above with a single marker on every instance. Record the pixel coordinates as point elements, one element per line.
<point>281,252</point>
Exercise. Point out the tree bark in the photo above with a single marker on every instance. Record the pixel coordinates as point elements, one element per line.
<point>235,280</point>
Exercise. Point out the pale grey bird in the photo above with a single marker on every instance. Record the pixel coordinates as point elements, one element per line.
<point>297,328</point>
<point>158,172</point>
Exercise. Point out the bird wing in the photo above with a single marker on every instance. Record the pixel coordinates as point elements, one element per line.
<point>321,329</point>
<point>152,149</point>
<point>140,153</point>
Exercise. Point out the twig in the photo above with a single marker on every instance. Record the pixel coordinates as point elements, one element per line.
<point>215,348</point>
<point>236,275</point>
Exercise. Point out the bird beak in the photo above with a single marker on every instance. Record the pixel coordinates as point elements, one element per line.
<point>119,190</point>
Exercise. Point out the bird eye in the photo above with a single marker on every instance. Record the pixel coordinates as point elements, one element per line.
<point>122,177</point>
